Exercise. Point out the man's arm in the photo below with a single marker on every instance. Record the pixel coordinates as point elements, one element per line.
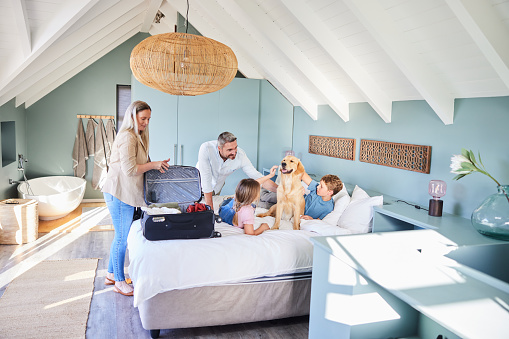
<point>251,172</point>
<point>270,185</point>
<point>208,199</point>
<point>266,182</point>
<point>205,168</point>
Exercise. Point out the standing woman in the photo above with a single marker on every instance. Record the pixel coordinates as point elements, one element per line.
<point>123,188</point>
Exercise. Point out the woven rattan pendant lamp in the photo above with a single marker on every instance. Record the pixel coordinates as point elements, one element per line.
<point>183,64</point>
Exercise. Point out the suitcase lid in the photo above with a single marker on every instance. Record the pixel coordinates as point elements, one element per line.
<point>180,184</point>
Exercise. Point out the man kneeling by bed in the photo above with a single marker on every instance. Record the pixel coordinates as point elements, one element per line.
<point>239,211</point>
<point>217,159</point>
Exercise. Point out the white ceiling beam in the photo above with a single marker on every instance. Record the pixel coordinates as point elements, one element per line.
<point>433,89</point>
<point>257,22</point>
<point>152,9</point>
<point>89,46</point>
<point>90,56</point>
<point>343,58</point>
<point>279,77</point>
<point>488,31</point>
<point>21,17</point>
<point>161,28</point>
<point>71,12</point>
<point>101,7</point>
<point>246,64</point>
<point>58,53</point>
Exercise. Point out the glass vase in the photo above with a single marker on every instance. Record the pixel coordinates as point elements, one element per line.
<point>491,218</point>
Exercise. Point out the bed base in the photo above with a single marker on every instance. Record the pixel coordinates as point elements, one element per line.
<point>225,305</point>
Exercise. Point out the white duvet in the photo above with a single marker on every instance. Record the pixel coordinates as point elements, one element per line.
<point>160,266</point>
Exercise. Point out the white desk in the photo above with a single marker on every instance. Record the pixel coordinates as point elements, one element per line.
<point>383,285</point>
<point>398,216</point>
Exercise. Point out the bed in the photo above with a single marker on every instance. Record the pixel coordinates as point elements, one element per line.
<point>236,278</point>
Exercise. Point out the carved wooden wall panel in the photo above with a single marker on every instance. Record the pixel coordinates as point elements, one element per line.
<point>404,156</point>
<point>332,147</point>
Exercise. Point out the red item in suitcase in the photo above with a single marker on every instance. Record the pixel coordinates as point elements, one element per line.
<point>197,207</point>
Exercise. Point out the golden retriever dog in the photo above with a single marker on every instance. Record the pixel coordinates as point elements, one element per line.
<point>290,198</point>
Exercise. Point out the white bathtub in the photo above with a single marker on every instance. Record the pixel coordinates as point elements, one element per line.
<point>57,196</point>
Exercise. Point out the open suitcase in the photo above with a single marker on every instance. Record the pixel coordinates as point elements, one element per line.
<point>182,185</point>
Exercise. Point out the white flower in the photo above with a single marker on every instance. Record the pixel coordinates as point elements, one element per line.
<point>466,163</point>
<point>456,162</point>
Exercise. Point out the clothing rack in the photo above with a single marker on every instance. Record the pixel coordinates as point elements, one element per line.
<point>80,116</point>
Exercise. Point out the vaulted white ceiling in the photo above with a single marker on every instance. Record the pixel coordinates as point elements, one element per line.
<point>314,52</point>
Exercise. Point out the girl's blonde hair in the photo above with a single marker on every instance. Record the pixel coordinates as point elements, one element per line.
<point>131,123</point>
<point>246,193</point>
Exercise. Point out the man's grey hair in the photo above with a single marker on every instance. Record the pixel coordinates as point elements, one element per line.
<point>224,138</point>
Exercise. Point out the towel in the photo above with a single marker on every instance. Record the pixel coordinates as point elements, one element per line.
<point>80,152</point>
<point>100,169</point>
<point>110,137</point>
<point>90,135</point>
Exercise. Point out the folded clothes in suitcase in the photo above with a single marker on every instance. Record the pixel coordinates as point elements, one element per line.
<point>181,186</point>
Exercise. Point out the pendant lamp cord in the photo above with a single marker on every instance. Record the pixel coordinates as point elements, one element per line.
<point>187,16</point>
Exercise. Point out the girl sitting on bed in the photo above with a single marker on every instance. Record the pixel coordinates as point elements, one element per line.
<point>239,211</point>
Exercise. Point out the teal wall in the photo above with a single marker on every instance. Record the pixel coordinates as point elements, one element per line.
<point>479,124</point>
<point>275,127</point>
<point>9,112</point>
<point>52,123</point>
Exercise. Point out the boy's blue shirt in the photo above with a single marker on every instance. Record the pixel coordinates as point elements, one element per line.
<point>316,208</point>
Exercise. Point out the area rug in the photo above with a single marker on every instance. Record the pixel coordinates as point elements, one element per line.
<point>51,300</point>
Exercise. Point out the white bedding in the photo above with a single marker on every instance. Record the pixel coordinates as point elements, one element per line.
<point>160,266</point>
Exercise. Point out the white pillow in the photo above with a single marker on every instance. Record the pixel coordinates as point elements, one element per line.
<point>340,204</point>
<point>322,228</point>
<point>358,215</point>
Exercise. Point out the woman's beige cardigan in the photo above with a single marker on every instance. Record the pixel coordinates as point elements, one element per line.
<point>123,181</point>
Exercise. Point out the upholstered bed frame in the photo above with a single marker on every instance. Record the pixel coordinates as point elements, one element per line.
<point>226,304</point>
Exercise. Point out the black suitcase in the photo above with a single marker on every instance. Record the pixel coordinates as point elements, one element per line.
<point>182,185</point>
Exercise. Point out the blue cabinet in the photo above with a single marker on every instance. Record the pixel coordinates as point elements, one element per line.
<point>180,124</point>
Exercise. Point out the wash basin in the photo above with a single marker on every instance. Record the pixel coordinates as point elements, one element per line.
<point>488,259</point>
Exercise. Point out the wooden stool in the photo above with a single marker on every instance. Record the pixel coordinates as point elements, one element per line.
<point>19,221</point>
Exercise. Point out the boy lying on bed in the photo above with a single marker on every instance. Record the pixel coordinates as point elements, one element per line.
<point>319,201</point>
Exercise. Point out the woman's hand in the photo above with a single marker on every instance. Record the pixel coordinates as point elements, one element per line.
<point>161,166</point>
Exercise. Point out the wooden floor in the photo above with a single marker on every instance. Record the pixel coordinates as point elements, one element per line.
<point>112,315</point>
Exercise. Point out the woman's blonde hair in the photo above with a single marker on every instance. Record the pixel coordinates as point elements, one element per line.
<point>246,193</point>
<point>131,123</point>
